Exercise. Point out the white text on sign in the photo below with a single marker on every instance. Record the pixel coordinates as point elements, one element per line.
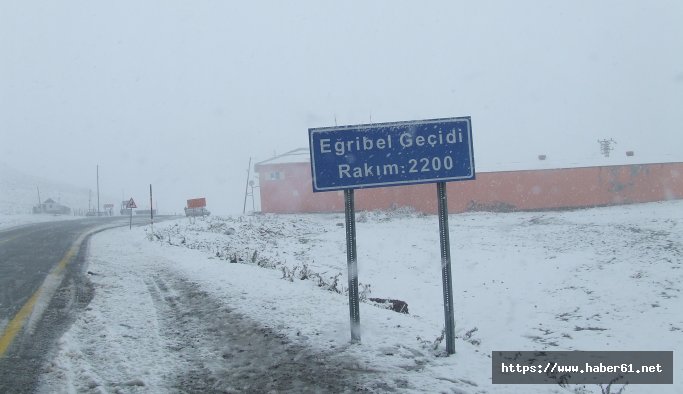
<point>405,139</point>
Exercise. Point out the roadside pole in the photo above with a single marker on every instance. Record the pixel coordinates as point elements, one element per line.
<point>151,208</point>
<point>246,188</point>
<point>352,264</point>
<point>98,190</point>
<point>442,197</point>
<point>131,204</point>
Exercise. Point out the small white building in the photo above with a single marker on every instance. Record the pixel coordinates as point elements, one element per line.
<point>51,207</point>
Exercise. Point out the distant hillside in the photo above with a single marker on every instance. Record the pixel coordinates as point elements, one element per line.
<point>18,192</point>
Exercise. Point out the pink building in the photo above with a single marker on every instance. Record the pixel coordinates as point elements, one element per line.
<point>285,187</point>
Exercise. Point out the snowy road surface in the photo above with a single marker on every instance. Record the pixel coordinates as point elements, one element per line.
<point>153,330</point>
<point>257,303</point>
<point>40,284</point>
<point>42,287</point>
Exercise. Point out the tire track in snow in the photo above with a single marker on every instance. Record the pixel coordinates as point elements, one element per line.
<point>222,351</point>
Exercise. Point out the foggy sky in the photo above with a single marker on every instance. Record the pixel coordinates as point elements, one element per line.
<point>181,93</point>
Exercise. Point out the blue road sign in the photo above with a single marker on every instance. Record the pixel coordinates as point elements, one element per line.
<point>391,154</point>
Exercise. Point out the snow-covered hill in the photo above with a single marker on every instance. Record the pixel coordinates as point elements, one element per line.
<point>19,192</point>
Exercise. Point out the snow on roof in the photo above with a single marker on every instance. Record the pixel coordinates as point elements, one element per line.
<point>302,155</point>
<point>549,162</point>
<point>299,155</point>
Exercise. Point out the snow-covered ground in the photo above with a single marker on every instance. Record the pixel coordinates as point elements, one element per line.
<point>219,304</point>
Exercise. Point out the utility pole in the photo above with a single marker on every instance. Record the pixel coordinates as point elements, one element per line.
<point>98,190</point>
<point>40,206</point>
<point>246,188</point>
<point>253,204</point>
<point>151,208</point>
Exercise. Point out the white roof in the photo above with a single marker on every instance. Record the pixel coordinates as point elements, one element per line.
<point>597,160</point>
<point>302,155</point>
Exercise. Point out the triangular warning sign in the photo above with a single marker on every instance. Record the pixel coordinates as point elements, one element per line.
<point>131,204</point>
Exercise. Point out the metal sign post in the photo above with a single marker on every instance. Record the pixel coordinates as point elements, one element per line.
<point>352,264</point>
<point>444,241</point>
<point>151,208</point>
<point>130,206</point>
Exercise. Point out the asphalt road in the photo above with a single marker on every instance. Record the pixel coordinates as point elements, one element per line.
<point>43,284</point>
